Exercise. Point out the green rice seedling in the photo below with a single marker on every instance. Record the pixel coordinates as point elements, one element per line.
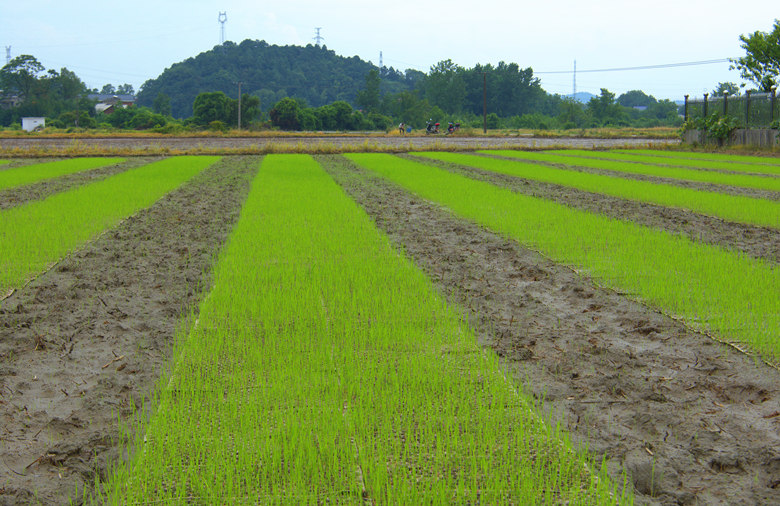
<point>39,233</point>
<point>738,180</point>
<point>731,164</point>
<point>325,368</point>
<point>728,207</point>
<point>27,174</point>
<point>719,291</point>
<point>715,157</point>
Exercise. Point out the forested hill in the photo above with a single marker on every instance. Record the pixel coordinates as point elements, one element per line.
<point>270,72</point>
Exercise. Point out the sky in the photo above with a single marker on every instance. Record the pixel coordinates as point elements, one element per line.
<point>132,42</point>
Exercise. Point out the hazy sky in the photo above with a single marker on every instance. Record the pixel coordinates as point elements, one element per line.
<point>131,42</point>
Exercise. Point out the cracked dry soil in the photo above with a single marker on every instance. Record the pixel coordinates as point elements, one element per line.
<point>690,421</point>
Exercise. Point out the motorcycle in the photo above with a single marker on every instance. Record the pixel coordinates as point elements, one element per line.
<point>452,128</point>
<point>431,127</point>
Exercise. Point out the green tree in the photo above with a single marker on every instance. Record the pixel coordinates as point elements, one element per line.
<point>20,75</point>
<point>125,89</point>
<point>162,104</point>
<point>108,89</point>
<point>761,63</point>
<point>445,88</point>
<point>211,106</point>
<point>605,110</point>
<point>635,98</point>
<point>286,114</point>
<point>369,98</point>
<point>727,87</point>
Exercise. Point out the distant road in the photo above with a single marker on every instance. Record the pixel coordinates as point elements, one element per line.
<point>412,142</point>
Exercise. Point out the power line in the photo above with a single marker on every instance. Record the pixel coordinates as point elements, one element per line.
<point>643,67</point>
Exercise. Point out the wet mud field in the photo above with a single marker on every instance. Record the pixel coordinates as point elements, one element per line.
<point>689,420</point>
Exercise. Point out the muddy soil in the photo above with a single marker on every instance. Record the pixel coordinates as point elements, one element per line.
<point>691,421</point>
<point>759,242</point>
<point>694,185</point>
<point>87,341</point>
<point>18,196</point>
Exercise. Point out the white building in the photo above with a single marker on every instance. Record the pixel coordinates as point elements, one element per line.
<point>30,124</point>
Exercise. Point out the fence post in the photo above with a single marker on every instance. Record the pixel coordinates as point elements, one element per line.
<point>725,103</point>
<point>747,109</point>
<point>705,105</point>
<point>772,107</point>
<point>685,111</point>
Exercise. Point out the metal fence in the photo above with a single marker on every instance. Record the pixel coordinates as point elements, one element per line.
<point>753,109</point>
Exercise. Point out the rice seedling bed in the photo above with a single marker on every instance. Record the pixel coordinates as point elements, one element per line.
<point>716,157</point>
<point>27,174</point>
<point>65,220</point>
<point>85,343</point>
<point>411,426</point>
<point>728,207</point>
<point>734,165</point>
<point>770,184</point>
<point>662,402</point>
<point>714,289</point>
<point>20,195</point>
<point>758,242</point>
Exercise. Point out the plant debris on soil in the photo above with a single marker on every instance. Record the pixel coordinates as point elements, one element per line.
<point>86,342</point>
<point>690,421</point>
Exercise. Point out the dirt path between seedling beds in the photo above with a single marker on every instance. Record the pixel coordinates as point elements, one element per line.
<point>88,340</point>
<point>759,242</point>
<point>20,195</point>
<point>690,420</point>
<point>694,185</point>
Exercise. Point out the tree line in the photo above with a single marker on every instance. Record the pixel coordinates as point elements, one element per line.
<point>312,88</point>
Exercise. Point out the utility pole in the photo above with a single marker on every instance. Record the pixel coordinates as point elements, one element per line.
<point>574,83</point>
<point>484,102</point>
<point>239,104</point>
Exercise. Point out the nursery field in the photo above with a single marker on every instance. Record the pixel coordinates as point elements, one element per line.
<point>391,329</point>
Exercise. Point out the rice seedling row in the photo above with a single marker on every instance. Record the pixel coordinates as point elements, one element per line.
<point>752,169</point>
<point>63,221</point>
<point>718,178</point>
<point>729,207</point>
<point>26,174</point>
<point>713,289</point>
<point>715,157</point>
<point>615,370</point>
<point>325,368</point>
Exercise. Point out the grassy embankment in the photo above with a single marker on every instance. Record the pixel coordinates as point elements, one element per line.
<point>723,292</point>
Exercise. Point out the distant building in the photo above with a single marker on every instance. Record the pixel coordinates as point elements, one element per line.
<point>31,124</point>
<point>107,104</point>
<point>9,101</point>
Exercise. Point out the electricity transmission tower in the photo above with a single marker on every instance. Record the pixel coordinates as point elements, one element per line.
<point>7,55</point>
<point>222,18</point>
<point>317,38</point>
